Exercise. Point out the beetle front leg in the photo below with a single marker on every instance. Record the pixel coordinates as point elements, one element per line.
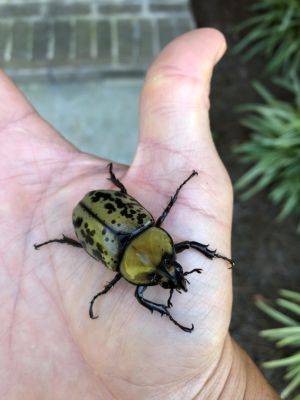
<point>173,200</point>
<point>64,239</point>
<point>202,248</point>
<point>161,308</point>
<point>198,270</point>
<point>169,303</point>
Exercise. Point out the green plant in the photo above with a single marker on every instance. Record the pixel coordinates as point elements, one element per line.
<point>273,148</point>
<point>273,31</point>
<point>289,335</point>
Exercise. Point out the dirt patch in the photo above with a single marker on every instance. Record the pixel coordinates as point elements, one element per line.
<point>266,252</point>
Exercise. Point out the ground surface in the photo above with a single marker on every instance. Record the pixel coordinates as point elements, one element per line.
<point>91,97</point>
<point>267,252</point>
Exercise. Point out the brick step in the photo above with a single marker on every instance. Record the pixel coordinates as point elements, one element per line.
<point>38,38</point>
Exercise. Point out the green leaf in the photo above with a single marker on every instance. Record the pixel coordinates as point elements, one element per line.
<point>273,31</point>
<point>295,382</point>
<point>273,149</point>
<point>287,336</point>
<point>292,360</point>
<point>279,333</point>
<point>290,306</point>
<point>275,314</point>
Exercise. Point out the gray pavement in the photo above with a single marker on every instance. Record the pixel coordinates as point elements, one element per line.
<point>99,116</point>
<point>81,62</point>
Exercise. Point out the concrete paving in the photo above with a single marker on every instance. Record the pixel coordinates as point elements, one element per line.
<point>99,116</point>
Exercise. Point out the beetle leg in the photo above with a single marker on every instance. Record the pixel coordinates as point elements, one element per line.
<point>105,290</point>
<point>115,180</point>
<point>170,298</point>
<point>198,270</point>
<point>161,308</point>
<point>173,200</point>
<point>203,248</point>
<point>64,239</point>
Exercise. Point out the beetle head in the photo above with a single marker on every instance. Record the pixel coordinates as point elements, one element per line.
<point>171,275</point>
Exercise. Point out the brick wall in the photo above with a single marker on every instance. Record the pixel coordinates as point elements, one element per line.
<point>64,38</point>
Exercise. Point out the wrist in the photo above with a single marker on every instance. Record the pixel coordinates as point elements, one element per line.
<point>253,384</point>
<point>236,377</point>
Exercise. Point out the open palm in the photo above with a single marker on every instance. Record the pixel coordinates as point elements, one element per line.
<point>49,347</point>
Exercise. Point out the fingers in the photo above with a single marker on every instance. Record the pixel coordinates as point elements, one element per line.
<point>174,103</point>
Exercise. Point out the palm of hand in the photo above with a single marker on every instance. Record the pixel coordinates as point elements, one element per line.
<point>48,341</point>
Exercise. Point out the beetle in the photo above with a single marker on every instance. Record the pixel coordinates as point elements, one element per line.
<point>114,228</point>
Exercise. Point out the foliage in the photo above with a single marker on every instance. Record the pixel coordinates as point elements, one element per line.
<point>287,336</point>
<point>273,31</point>
<point>273,148</point>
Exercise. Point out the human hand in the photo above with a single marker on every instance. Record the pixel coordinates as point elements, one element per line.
<point>50,348</point>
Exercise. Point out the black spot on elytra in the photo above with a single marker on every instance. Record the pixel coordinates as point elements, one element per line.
<point>103,231</point>
<point>99,247</point>
<point>97,254</point>
<point>98,195</point>
<point>113,221</point>
<point>77,222</point>
<point>86,225</point>
<point>110,207</point>
<point>87,235</point>
<point>141,218</point>
<point>106,239</point>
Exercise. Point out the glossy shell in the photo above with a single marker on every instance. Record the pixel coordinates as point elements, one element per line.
<point>143,255</point>
<point>104,220</point>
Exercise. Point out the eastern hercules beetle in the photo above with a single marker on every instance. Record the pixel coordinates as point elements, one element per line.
<point>117,230</point>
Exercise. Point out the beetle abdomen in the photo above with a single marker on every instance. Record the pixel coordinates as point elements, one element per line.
<point>103,218</point>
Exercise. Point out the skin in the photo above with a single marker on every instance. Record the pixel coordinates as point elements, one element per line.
<point>49,347</point>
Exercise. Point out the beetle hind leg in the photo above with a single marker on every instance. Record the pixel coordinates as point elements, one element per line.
<point>64,239</point>
<point>105,290</point>
<point>161,308</point>
<point>115,180</point>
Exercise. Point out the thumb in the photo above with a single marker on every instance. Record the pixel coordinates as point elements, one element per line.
<point>174,105</point>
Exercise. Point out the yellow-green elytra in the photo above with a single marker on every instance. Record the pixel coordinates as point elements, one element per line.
<point>117,230</point>
<point>104,220</point>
